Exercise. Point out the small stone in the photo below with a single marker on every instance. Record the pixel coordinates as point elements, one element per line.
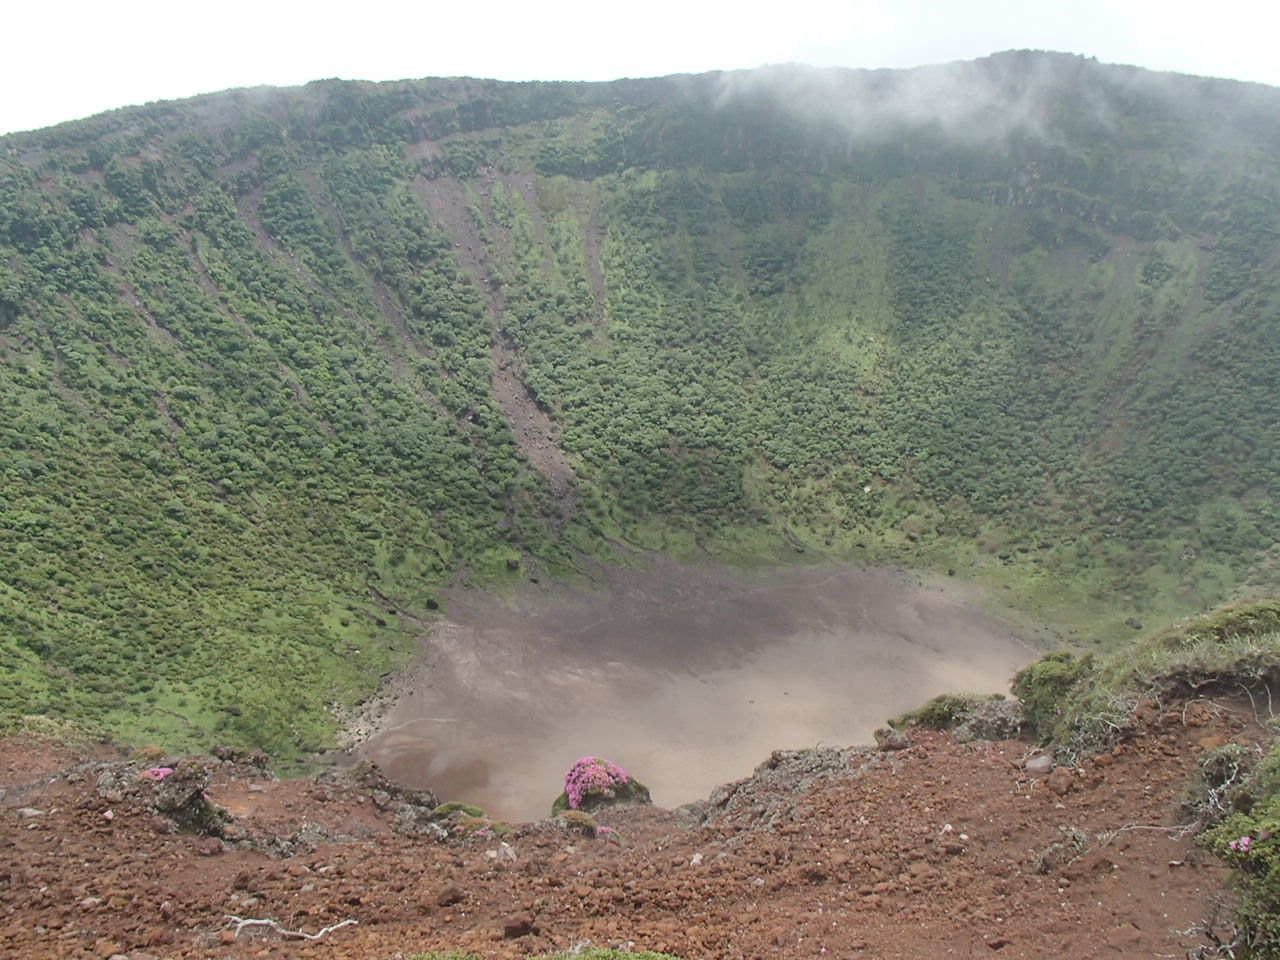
<point>520,926</point>
<point>27,813</point>
<point>1039,765</point>
<point>1060,781</point>
<point>449,896</point>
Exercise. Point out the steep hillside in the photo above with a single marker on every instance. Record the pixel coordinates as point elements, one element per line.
<point>277,366</point>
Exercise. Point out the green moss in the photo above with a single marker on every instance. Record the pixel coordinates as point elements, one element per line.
<point>447,810</point>
<point>578,821</point>
<point>944,711</point>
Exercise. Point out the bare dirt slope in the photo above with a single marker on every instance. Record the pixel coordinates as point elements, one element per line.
<point>939,850</point>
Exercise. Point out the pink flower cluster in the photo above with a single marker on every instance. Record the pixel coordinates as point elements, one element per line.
<point>1243,844</point>
<point>592,776</point>
<point>156,774</point>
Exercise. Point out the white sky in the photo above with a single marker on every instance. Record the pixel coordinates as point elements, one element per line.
<point>70,59</point>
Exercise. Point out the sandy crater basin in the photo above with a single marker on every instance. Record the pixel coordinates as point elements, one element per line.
<point>686,676</point>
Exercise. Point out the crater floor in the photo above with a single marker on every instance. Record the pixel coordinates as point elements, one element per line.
<point>687,675</point>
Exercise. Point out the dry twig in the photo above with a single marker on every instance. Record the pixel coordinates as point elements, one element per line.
<point>241,923</point>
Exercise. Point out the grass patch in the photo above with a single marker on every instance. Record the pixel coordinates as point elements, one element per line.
<point>43,729</point>
<point>943,712</point>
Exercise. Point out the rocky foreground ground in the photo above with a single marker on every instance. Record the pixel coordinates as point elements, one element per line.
<point>941,849</point>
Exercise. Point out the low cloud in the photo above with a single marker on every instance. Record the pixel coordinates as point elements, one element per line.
<point>978,100</point>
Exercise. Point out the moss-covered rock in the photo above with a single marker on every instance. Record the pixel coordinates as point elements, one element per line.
<point>453,808</point>
<point>578,821</point>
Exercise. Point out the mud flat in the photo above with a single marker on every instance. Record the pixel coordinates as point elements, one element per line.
<point>686,676</point>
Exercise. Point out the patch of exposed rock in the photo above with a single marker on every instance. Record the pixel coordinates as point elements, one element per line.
<point>772,794</point>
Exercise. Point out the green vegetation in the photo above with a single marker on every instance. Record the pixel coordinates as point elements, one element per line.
<point>578,821</point>
<point>944,711</point>
<point>41,728</point>
<point>465,820</point>
<point>1082,706</point>
<point>249,429</point>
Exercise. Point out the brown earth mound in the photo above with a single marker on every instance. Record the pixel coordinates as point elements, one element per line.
<point>940,849</point>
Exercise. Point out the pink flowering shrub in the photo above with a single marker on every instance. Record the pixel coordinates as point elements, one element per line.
<point>595,782</point>
<point>156,774</point>
<point>1249,841</point>
<point>592,776</point>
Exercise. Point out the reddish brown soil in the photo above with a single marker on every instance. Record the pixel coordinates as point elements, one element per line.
<point>943,849</point>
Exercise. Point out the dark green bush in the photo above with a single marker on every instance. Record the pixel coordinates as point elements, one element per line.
<point>1046,686</point>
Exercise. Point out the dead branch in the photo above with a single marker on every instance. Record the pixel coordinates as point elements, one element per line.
<point>241,923</point>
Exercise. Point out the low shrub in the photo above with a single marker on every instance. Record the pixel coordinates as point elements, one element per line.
<point>593,782</point>
<point>44,729</point>
<point>1046,686</point>
<point>1250,843</point>
<point>943,712</point>
<point>1220,774</point>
